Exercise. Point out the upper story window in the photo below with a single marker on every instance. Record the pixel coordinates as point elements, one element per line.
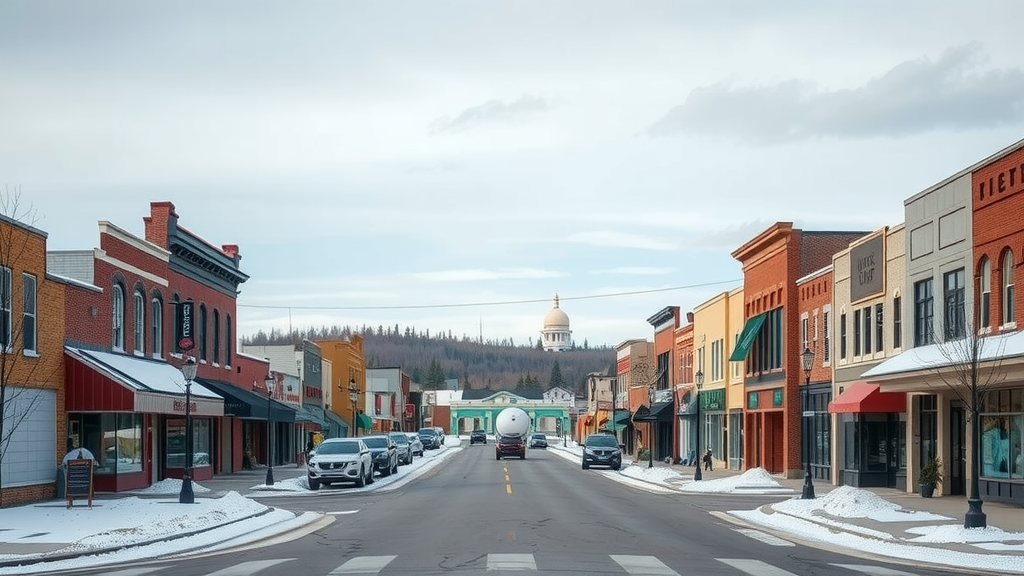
<point>954,314</point>
<point>1007,307</point>
<point>857,335</point>
<point>897,322</point>
<point>176,321</point>
<point>826,333</point>
<point>5,308</point>
<point>766,352</point>
<point>117,317</point>
<point>842,336</point>
<point>28,321</point>
<point>156,323</point>
<point>227,340</point>
<point>202,332</point>
<point>985,285</point>
<point>139,322</point>
<point>216,336</point>
<point>924,313</point>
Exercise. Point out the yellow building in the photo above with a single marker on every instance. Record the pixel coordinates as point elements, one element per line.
<point>716,325</point>
<point>348,371</point>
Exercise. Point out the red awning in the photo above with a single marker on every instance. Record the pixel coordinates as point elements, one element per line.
<point>861,397</point>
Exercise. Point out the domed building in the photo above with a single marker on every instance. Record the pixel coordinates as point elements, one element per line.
<point>556,335</point>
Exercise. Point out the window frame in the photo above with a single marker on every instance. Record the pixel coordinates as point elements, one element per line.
<point>924,312</point>
<point>954,304</point>
<point>985,289</point>
<point>157,326</point>
<point>29,314</point>
<point>138,322</point>
<point>117,317</point>
<point>1006,289</point>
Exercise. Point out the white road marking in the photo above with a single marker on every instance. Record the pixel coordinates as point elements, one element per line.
<point>342,512</point>
<point>249,568</point>
<point>362,565</point>
<point>764,537</point>
<point>138,571</point>
<point>755,567</point>
<point>643,566</point>
<point>875,570</point>
<point>511,562</point>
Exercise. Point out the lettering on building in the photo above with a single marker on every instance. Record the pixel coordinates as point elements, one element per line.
<point>867,261</point>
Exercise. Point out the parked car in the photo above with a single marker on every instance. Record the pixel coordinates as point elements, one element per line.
<point>538,440</point>
<point>430,438</point>
<point>602,450</point>
<point>415,444</point>
<point>509,446</point>
<point>340,460</point>
<point>402,446</point>
<point>440,433</point>
<point>384,452</point>
<point>478,436</point>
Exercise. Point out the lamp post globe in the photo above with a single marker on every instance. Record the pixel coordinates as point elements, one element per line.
<point>188,371</point>
<point>270,382</point>
<point>698,381</point>
<point>807,362</point>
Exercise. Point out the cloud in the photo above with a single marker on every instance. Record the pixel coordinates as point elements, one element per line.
<point>950,92</point>
<point>620,240</point>
<point>475,274</point>
<point>491,112</point>
<point>636,271</point>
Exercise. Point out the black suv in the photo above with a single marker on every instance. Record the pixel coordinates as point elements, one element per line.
<point>602,450</point>
<point>509,446</point>
<point>478,436</point>
<point>430,439</point>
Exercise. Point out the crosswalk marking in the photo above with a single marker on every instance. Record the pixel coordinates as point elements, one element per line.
<point>764,537</point>
<point>755,567</point>
<point>644,566</point>
<point>362,565</point>
<point>874,570</point>
<point>511,562</point>
<point>137,571</point>
<point>248,568</point>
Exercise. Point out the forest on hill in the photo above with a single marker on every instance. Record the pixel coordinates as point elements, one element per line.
<point>430,359</point>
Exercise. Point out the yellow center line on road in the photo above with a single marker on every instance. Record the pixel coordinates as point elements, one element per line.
<point>508,481</point>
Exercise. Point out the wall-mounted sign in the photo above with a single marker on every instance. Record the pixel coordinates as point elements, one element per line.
<point>751,400</point>
<point>777,397</point>
<point>867,269</point>
<point>186,337</point>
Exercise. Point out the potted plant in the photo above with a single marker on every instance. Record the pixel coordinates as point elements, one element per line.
<point>931,475</point>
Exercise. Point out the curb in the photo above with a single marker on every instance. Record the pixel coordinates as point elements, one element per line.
<point>97,551</point>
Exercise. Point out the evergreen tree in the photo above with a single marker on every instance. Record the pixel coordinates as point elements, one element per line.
<point>435,376</point>
<point>556,379</point>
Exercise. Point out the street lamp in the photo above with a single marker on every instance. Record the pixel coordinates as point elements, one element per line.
<point>270,382</point>
<point>698,380</point>
<point>650,426</point>
<point>188,370</point>
<point>807,359</point>
<point>615,393</point>
<point>593,398</point>
<point>353,396</point>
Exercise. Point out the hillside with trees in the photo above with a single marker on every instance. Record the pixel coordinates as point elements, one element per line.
<point>430,359</point>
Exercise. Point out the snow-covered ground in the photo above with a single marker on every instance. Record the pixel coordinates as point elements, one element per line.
<point>132,528</point>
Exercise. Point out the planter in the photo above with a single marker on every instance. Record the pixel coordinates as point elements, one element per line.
<point>926,490</point>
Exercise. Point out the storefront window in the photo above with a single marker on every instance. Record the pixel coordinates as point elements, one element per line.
<point>850,440</point>
<point>115,440</point>
<point>201,429</point>
<point>1001,432</point>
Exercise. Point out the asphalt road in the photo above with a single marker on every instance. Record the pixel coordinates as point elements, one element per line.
<point>544,515</point>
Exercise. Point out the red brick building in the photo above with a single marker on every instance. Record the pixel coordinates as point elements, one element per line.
<point>684,388</point>
<point>770,341</point>
<point>666,428</point>
<point>814,293</point>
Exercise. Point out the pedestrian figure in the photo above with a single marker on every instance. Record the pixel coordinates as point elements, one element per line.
<point>707,459</point>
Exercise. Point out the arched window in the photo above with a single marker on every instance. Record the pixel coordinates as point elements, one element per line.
<point>985,305</point>
<point>117,318</point>
<point>157,325</point>
<point>139,322</point>
<point>1007,287</point>
<point>202,332</point>
<point>216,336</point>
<point>227,340</point>
<point>176,319</point>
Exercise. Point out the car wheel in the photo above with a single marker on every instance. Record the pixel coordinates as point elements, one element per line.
<point>314,484</point>
<point>523,457</point>
<point>616,467</point>
<point>394,468</point>
<point>370,478</point>
<point>497,456</point>
<point>361,481</point>
<point>585,466</point>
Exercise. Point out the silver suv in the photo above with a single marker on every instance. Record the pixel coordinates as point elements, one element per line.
<point>403,447</point>
<point>340,460</point>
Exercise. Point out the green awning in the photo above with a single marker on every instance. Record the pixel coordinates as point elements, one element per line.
<point>364,421</point>
<point>621,416</point>
<point>747,337</point>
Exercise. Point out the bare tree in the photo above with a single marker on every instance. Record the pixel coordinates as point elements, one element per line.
<point>968,364</point>
<point>20,390</point>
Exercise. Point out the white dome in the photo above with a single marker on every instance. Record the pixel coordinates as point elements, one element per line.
<point>555,317</point>
<point>556,335</point>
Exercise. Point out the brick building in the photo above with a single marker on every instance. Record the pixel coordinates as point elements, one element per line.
<point>31,366</point>
<point>772,262</point>
<point>814,295</point>
<point>666,426</point>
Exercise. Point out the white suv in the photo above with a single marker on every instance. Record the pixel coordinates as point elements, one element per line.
<point>340,460</point>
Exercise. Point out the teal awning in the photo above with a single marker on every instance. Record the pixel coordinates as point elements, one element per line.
<point>364,421</point>
<point>747,337</point>
<point>621,416</point>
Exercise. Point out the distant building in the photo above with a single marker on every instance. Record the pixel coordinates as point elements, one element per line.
<point>556,335</point>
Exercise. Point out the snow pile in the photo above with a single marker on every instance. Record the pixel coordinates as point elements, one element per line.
<point>851,502</point>
<point>296,484</point>
<point>170,486</point>
<point>750,482</point>
<point>656,474</point>
<point>949,533</point>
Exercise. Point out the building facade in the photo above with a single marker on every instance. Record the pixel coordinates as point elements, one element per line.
<point>714,339</point>
<point>814,294</point>
<point>667,428</point>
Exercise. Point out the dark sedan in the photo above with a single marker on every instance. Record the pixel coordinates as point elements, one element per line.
<point>478,436</point>
<point>384,453</point>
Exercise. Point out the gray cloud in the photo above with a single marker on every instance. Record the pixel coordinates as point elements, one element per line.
<point>950,92</point>
<point>490,112</point>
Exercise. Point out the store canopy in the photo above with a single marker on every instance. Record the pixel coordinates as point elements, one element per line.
<point>310,415</point>
<point>338,426</point>
<point>364,421</point>
<point>242,403</point>
<point>621,416</point>
<point>659,412</point>
<point>861,397</point>
<point>747,337</point>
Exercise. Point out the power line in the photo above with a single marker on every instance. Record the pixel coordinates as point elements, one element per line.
<point>498,303</point>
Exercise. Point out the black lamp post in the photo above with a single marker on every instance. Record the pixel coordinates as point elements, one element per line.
<point>188,370</point>
<point>650,426</point>
<point>615,392</point>
<point>353,395</point>
<point>270,382</point>
<point>593,398</point>
<point>698,381</point>
<point>807,360</point>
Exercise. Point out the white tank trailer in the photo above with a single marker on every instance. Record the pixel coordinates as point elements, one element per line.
<point>513,422</point>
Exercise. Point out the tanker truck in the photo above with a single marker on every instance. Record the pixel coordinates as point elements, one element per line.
<point>510,428</point>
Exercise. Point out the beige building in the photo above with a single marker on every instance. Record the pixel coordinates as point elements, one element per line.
<point>717,323</point>
<point>870,426</point>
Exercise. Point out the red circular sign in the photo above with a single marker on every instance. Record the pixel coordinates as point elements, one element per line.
<point>186,344</point>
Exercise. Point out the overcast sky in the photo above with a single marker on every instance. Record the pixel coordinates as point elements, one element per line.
<point>373,155</point>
